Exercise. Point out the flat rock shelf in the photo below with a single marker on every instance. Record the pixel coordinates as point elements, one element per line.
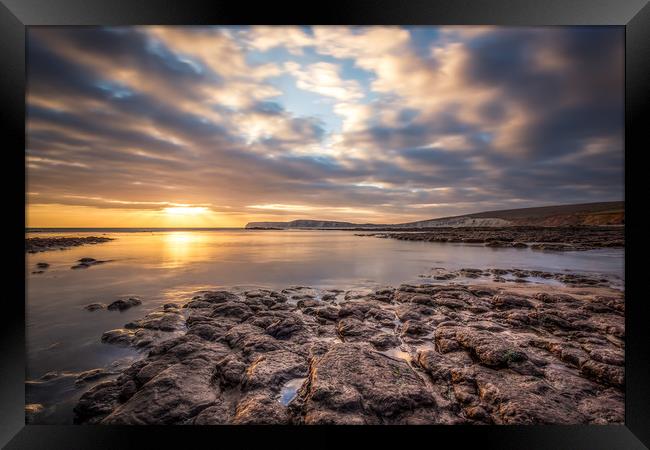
<point>537,238</point>
<point>43,244</point>
<point>448,353</point>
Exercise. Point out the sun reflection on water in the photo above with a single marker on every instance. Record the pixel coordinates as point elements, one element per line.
<point>180,248</point>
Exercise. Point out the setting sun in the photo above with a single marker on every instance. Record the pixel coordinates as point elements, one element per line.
<point>185,210</point>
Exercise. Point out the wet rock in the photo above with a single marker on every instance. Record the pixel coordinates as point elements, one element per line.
<point>85,263</point>
<point>516,399</point>
<point>566,352</point>
<point>354,329</point>
<point>173,387</point>
<point>550,321</point>
<point>606,355</point>
<point>605,408</point>
<point>384,341</point>
<point>95,307</point>
<point>118,336</point>
<point>208,331</point>
<point>383,295</point>
<point>229,371</point>
<point>217,297</point>
<point>445,276</point>
<point>286,327</point>
<point>445,339</point>
<point>217,414</point>
<point>260,343</point>
<point>97,403</point>
<point>510,301</point>
<point>414,328</point>
<point>166,320</point>
<point>383,317</point>
<point>604,373</point>
<point>488,348</point>
<point>328,313</point>
<point>352,383</point>
<point>466,354</point>
<point>179,395</point>
<point>413,312</point>
<point>356,309</point>
<point>127,390</point>
<point>129,338</point>
<point>438,366</point>
<point>449,302</point>
<point>422,300</point>
<point>470,273</point>
<point>124,303</point>
<point>272,369</point>
<point>91,375</point>
<point>232,309</point>
<point>548,297</point>
<point>260,409</point>
<point>264,319</point>
<point>197,304</point>
<point>555,238</point>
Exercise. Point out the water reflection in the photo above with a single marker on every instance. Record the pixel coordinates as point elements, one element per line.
<point>179,248</point>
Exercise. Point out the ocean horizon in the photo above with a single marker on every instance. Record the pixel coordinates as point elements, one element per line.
<point>126,230</point>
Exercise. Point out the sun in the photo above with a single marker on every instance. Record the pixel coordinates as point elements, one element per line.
<point>185,210</point>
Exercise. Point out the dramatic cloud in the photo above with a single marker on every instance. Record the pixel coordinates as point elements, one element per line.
<point>217,126</point>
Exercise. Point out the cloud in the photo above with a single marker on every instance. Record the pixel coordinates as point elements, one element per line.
<point>346,123</point>
<point>325,78</point>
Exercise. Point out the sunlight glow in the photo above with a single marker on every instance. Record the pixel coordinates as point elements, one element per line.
<point>185,210</point>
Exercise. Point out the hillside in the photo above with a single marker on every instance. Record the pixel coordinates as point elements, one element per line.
<point>593,214</point>
<point>583,214</point>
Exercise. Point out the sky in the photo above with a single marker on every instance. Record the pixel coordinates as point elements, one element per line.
<point>164,126</point>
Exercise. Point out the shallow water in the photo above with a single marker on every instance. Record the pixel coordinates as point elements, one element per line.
<point>290,390</point>
<point>169,266</point>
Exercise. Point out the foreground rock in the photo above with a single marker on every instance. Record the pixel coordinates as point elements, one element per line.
<point>43,244</point>
<point>354,384</point>
<point>416,354</point>
<point>522,276</point>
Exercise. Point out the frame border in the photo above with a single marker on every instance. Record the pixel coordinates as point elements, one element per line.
<point>16,15</point>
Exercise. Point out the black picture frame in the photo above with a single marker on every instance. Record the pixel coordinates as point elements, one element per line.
<point>16,15</point>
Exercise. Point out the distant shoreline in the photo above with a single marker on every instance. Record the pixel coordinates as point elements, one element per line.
<point>373,229</point>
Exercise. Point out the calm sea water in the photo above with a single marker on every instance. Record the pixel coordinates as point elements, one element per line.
<point>169,266</point>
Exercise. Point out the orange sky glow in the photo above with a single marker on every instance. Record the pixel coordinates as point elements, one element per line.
<point>164,126</point>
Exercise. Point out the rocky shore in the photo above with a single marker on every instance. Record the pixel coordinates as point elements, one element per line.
<point>43,244</point>
<point>440,353</point>
<point>537,238</point>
